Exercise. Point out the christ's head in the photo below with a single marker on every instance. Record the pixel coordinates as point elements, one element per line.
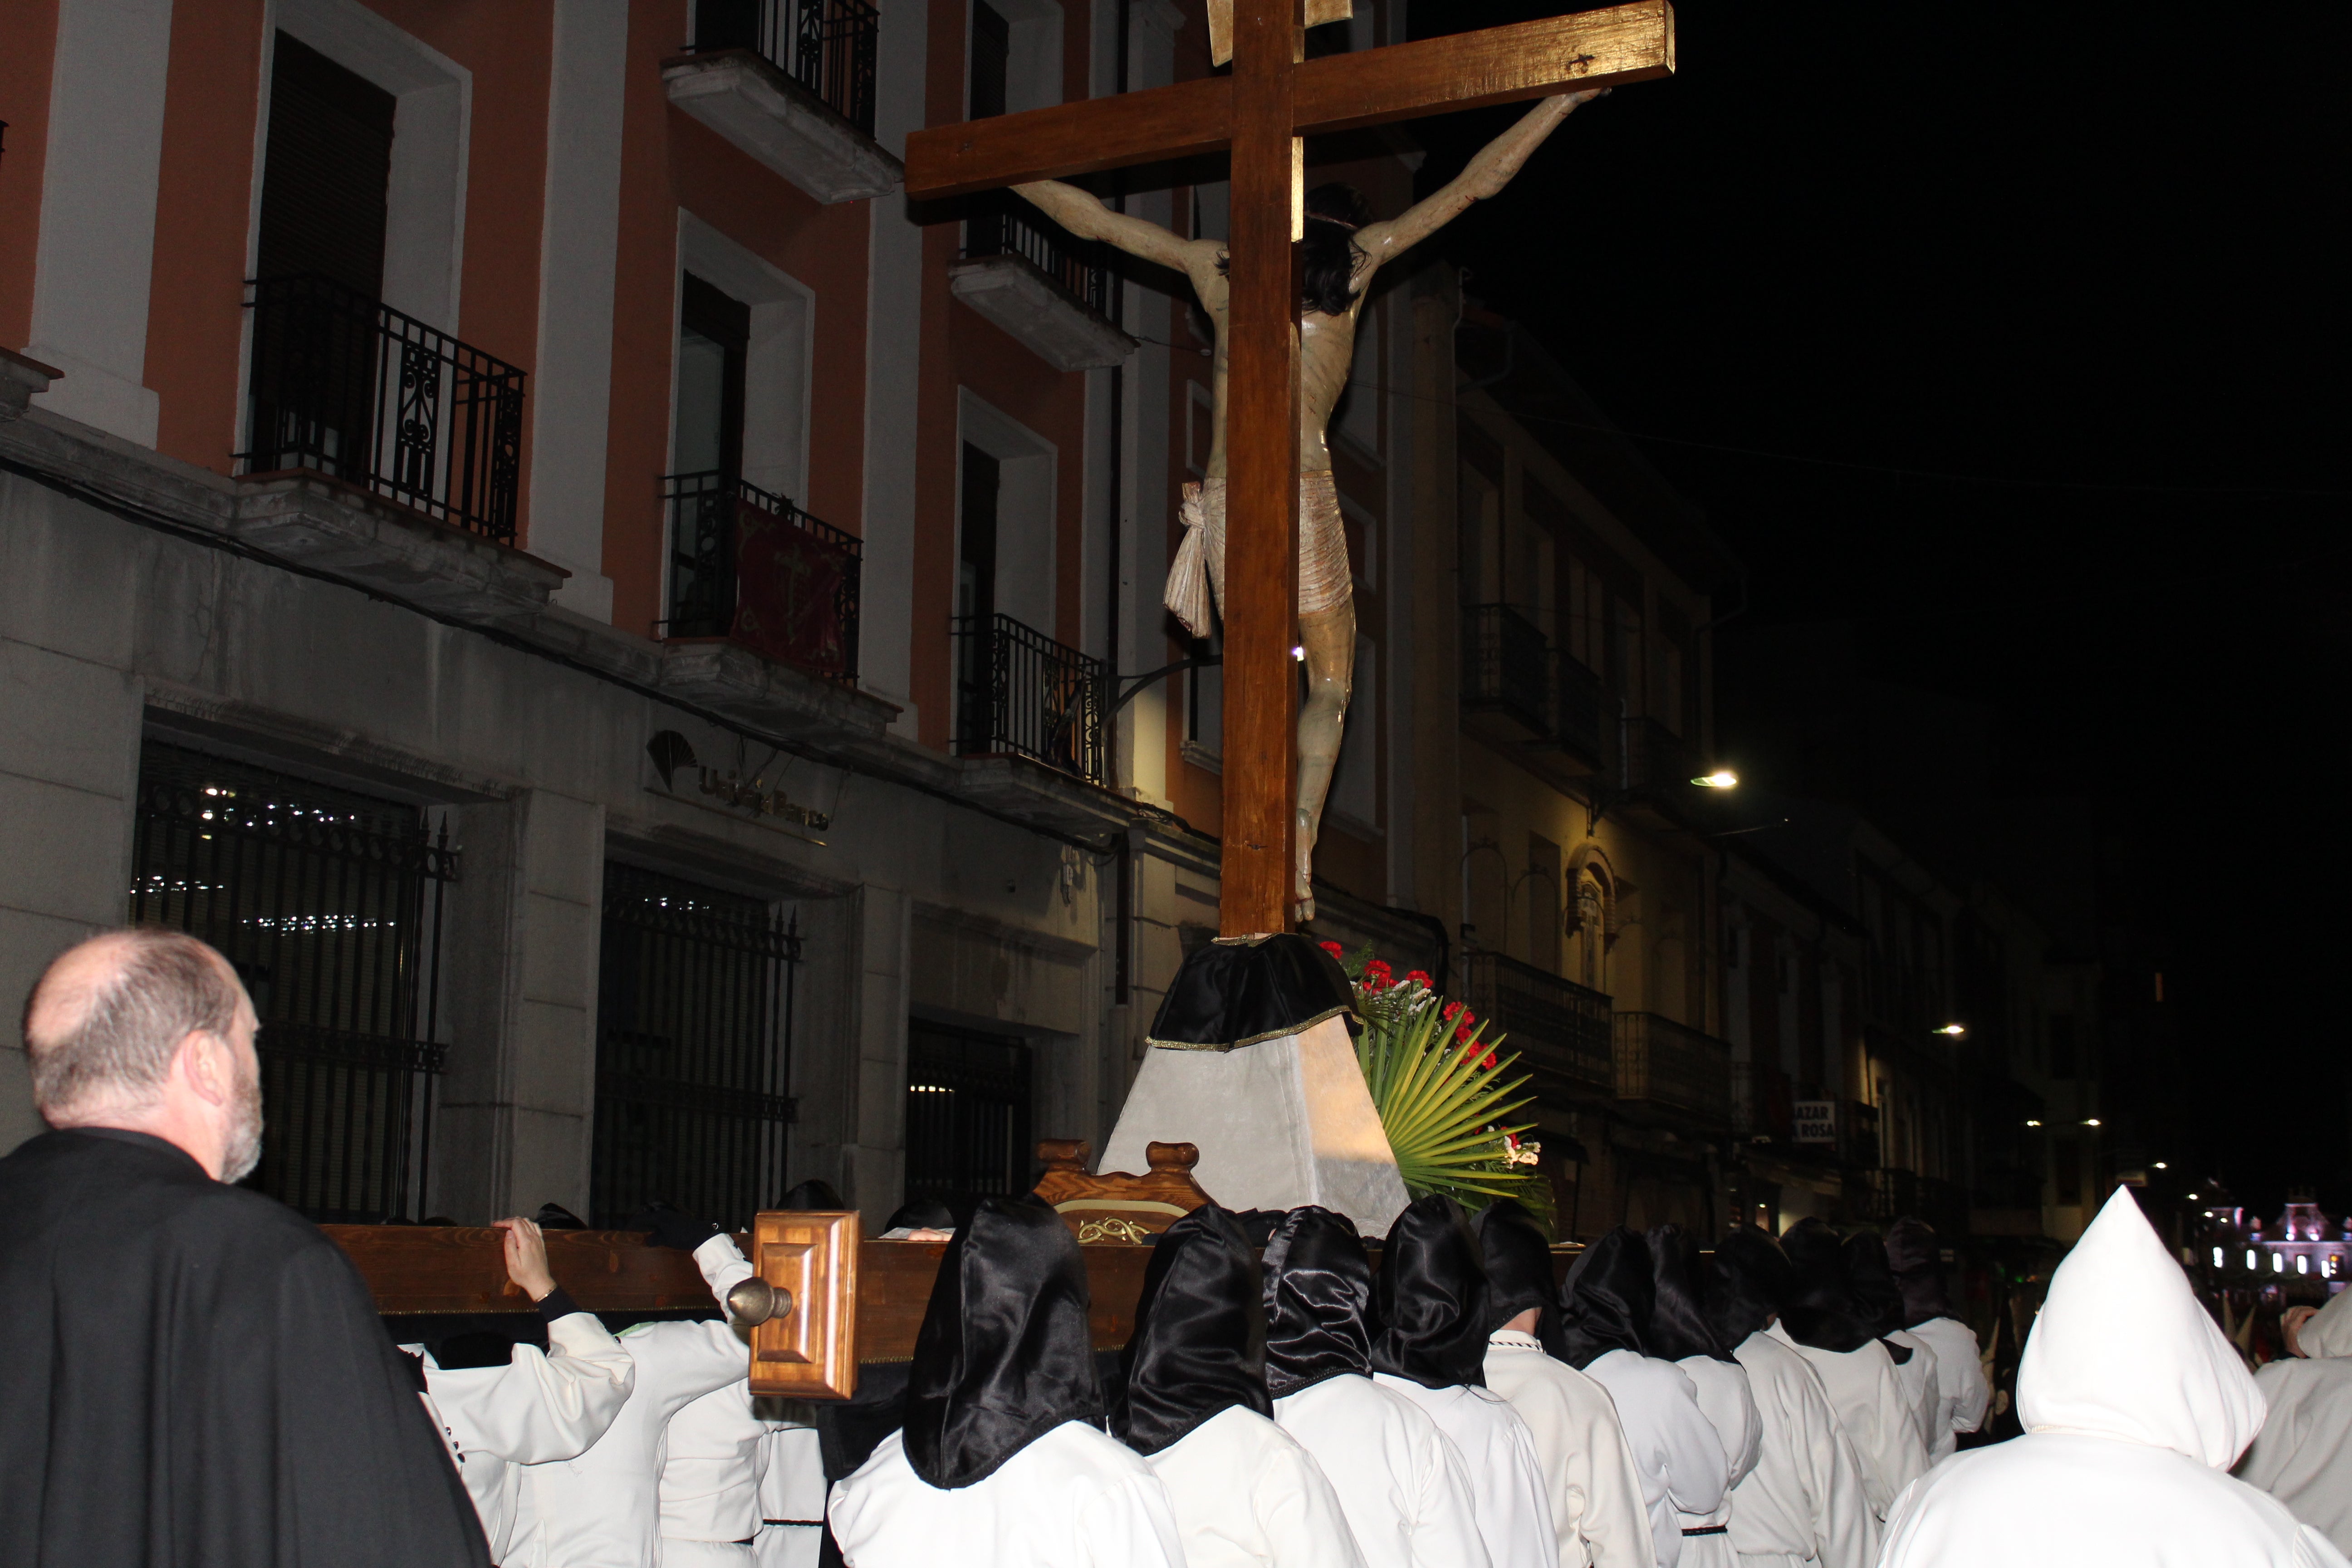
<point>149,1031</point>
<point>1334,212</point>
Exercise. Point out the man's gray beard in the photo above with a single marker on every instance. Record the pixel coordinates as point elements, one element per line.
<point>242,1151</point>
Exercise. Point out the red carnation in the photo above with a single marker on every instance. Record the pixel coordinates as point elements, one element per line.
<point>1417,977</point>
<point>1452,1011</point>
<point>1334,948</point>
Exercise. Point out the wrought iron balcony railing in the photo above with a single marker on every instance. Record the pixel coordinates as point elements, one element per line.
<point>1674,1066</point>
<point>1506,665</point>
<point>1007,225</point>
<point>826,45</point>
<point>348,386</point>
<point>1020,692</point>
<point>1560,1028</point>
<point>1577,706</point>
<point>753,566</point>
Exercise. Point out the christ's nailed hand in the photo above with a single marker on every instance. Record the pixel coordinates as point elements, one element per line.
<point>527,1257</point>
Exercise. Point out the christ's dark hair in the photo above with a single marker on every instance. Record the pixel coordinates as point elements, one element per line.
<point>1334,214</point>
<point>1328,255</point>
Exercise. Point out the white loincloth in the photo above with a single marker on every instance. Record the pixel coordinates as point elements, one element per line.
<point>1324,580</point>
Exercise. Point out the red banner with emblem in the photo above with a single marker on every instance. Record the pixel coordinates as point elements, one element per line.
<point>788,591</point>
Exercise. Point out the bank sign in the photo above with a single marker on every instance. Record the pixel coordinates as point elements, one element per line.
<point>1816,1120</point>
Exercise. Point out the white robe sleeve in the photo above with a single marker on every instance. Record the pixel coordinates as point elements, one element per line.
<point>539,1408</point>
<point>1970,1395</point>
<point>1446,1525</point>
<point>1130,1526</point>
<point>722,1265</point>
<point>1301,1514</point>
<point>1698,1470</point>
<point>1615,1524</point>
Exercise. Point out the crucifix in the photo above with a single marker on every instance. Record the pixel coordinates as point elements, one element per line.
<point>1261,114</point>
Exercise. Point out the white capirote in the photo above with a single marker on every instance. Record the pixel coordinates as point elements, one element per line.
<point>2134,1407</point>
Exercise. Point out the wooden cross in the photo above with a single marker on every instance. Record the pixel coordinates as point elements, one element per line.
<point>1274,99</point>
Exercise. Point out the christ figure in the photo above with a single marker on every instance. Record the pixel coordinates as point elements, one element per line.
<point>1341,250</point>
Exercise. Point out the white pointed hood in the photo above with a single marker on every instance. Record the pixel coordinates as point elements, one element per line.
<point>2330,1332</point>
<point>2121,1350</point>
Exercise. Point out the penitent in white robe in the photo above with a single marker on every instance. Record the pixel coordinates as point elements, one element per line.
<point>1725,1400</point>
<point>1399,1481</point>
<point>1962,1397</point>
<point>1803,1501</point>
<point>1507,1496</point>
<point>2303,1454</point>
<point>1871,1407</point>
<point>792,1498</point>
<point>602,1509</point>
<point>709,1490</point>
<point>537,1407</point>
<point>1245,1495</point>
<point>1597,1513</point>
<point>1075,1498</point>
<point>1677,1451</point>
<point>2134,1405</point>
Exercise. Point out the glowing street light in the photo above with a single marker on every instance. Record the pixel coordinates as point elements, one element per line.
<point>1722,778</point>
<point>2031,1123</point>
<point>1955,1030</point>
<point>2090,1121</point>
<point>2162,1166</point>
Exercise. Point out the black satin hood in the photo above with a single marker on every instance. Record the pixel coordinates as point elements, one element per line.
<point>1820,1309</point>
<point>1004,1355</point>
<point>1677,1326</point>
<point>1745,1281</point>
<point>1874,1291</point>
<point>1318,1301</point>
<point>1199,1345</point>
<point>1430,1298</point>
<point>1606,1299</point>
<point>1918,1259</point>
<point>1518,1271</point>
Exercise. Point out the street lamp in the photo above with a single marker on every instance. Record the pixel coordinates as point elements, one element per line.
<point>1955,1030</point>
<point>1722,778</point>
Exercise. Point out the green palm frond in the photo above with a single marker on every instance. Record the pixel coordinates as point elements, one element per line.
<point>1445,1111</point>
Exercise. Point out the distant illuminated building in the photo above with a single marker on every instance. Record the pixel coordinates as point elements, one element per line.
<point>2303,1246</point>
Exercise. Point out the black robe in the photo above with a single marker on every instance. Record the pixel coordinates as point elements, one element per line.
<point>198,1378</point>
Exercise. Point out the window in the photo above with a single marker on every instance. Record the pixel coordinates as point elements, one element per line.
<point>694,1039</point>
<point>327,902</point>
<point>967,1114</point>
<point>326,171</point>
<point>714,341</point>
<point>992,46</point>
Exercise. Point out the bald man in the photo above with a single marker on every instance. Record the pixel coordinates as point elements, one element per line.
<point>200,1378</point>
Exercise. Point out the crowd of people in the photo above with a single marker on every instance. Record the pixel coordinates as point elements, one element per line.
<point>202,1380</point>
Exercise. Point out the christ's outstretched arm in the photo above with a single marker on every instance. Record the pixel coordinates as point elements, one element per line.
<point>1484,176</point>
<point>1085,216</point>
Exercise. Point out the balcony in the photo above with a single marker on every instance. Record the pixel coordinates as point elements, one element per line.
<point>1655,757</point>
<point>1022,694</point>
<point>347,386</point>
<point>1673,1068</point>
<point>1029,276</point>
<point>1885,1195</point>
<point>790,82</point>
<point>1559,1030</point>
<point>1578,705</point>
<point>756,570</point>
<point>1506,668</point>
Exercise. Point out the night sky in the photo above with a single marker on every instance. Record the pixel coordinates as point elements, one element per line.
<point>2014,335</point>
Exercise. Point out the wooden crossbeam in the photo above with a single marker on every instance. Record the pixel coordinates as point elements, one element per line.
<point>1338,92</point>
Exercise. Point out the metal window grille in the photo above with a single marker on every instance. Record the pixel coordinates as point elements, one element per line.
<point>1506,665</point>
<point>346,386</point>
<point>1674,1066</point>
<point>1022,692</point>
<point>1006,225</point>
<point>967,1114</point>
<point>826,45</point>
<point>797,601</point>
<point>329,904</point>
<point>694,1050</point>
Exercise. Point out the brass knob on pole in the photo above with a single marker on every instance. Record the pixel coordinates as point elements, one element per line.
<point>754,1301</point>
